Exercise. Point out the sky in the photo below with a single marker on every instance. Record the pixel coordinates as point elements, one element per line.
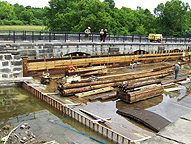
<point>149,4</point>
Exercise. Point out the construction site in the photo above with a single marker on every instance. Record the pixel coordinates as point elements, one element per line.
<point>126,98</point>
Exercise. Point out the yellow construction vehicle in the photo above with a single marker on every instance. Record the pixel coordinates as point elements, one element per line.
<point>155,37</point>
<point>45,78</point>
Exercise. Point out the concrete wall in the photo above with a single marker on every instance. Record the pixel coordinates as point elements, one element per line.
<point>10,65</point>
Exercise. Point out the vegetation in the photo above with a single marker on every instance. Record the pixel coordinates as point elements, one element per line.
<point>23,28</point>
<point>170,19</point>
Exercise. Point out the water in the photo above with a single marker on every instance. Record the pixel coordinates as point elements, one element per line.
<point>18,106</point>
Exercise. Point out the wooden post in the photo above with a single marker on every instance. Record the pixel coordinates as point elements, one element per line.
<point>25,70</point>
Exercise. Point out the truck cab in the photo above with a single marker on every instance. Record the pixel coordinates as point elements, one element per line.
<point>155,37</point>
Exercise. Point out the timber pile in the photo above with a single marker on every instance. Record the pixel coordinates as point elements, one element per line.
<point>117,80</point>
<point>141,79</point>
<point>133,92</point>
<point>86,71</point>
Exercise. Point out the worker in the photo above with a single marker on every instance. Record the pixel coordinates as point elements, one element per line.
<point>188,79</point>
<point>176,68</point>
<point>183,55</point>
<point>189,53</point>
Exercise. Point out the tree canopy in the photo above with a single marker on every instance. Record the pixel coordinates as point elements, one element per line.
<point>170,19</point>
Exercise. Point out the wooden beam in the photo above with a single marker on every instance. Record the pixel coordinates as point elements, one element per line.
<point>173,89</point>
<point>96,116</point>
<point>96,91</point>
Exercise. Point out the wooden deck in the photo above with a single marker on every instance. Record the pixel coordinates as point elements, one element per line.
<point>149,119</point>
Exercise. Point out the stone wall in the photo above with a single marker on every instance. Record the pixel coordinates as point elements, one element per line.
<point>58,49</point>
<point>10,65</point>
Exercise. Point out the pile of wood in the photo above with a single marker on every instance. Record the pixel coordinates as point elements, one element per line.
<point>134,80</point>
<point>140,90</point>
<point>96,70</point>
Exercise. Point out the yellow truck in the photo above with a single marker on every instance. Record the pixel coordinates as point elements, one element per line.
<point>155,37</point>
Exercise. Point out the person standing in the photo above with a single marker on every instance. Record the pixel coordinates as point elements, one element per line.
<point>189,53</point>
<point>104,35</point>
<point>87,32</point>
<point>183,55</point>
<point>176,68</point>
<point>101,35</point>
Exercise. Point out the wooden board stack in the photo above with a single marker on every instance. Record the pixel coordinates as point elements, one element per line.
<point>133,92</point>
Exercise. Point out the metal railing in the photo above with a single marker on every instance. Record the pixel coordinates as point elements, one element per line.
<point>51,36</point>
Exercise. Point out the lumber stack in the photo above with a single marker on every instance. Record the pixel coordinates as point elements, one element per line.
<point>133,81</point>
<point>140,90</point>
<point>86,71</point>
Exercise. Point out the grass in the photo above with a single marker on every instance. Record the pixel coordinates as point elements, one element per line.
<point>23,28</point>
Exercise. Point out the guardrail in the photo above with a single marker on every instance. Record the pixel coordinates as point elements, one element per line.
<point>33,36</point>
<point>110,134</point>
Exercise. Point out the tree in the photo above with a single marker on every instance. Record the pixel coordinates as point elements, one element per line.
<point>6,11</point>
<point>172,17</point>
<point>26,16</point>
<point>111,3</point>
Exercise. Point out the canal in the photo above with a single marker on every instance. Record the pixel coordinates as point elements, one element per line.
<point>17,106</point>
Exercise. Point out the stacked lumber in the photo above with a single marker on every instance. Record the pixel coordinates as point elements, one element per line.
<point>133,92</point>
<point>87,71</point>
<point>133,81</point>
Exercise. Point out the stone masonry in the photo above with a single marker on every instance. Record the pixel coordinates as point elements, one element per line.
<point>10,65</point>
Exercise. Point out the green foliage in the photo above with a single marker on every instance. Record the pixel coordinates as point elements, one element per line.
<point>170,19</point>
<point>78,15</point>
<point>19,15</point>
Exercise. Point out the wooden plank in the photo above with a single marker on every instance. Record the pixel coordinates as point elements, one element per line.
<point>96,91</point>
<point>96,116</point>
<point>104,97</point>
<point>147,118</point>
<point>173,89</point>
<point>169,84</point>
<point>183,82</point>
